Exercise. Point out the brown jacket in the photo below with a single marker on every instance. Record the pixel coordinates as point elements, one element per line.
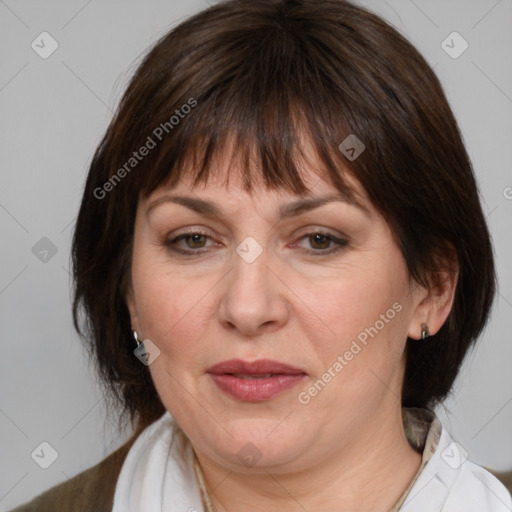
<point>90,491</point>
<point>93,490</point>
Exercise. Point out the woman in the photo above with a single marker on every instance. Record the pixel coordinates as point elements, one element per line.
<point>282,260</point>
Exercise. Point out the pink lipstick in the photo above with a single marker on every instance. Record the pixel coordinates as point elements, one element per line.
<point>254,381</point>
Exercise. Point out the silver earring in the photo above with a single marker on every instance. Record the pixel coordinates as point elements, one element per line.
<point>136,338</point>
<point>424,331</point>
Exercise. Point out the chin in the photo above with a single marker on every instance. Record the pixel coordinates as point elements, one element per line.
<point>256,443</point>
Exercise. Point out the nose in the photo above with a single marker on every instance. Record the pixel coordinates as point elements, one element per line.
<point>254,298</point>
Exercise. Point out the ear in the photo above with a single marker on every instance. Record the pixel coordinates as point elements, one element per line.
<point>132,309</point>
<point>434,302</point>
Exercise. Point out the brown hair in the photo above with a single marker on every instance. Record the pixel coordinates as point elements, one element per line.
<point>261,72</point>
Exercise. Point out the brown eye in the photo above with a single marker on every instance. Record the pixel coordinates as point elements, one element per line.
<point>321,243</point>
<point>193,241</point>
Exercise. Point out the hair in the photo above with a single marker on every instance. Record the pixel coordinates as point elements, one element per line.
<point>260,74</point>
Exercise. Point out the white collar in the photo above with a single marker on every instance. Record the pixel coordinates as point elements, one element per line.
<point>158,473</point>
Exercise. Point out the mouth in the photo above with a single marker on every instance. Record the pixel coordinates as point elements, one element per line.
<point>254,381</point>
<point>248,376</point>
<point>258,368</point>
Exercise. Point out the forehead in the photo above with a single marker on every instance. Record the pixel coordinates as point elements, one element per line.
<point>220,198</point>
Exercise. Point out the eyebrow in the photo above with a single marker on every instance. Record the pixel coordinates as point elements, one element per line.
<point>211,209</point>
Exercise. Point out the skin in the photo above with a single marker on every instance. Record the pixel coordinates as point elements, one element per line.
<point>345,449</point>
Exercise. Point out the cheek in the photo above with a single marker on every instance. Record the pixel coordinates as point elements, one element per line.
<point>362,300</point>
<point>361,354</point>
<point>359,366</point>
<point>172,309</point>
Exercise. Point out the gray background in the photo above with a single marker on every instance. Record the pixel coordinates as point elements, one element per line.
<point>53,113</point>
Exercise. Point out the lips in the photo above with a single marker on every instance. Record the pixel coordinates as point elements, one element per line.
<point>259,367</point>
<point>254,380</point>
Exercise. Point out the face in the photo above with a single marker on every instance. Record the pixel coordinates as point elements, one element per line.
<point>322,295</point>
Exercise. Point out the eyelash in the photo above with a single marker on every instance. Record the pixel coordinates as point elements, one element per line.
<point>340,244</point>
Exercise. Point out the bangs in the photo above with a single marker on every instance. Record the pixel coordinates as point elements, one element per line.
<point>270,115</point>
<point>273,151</point>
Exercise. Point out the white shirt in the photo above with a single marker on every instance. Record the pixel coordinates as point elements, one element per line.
<point>447,481</point>
<point>158,473</point>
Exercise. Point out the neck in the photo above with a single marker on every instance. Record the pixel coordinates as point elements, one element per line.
<point>369,474</point>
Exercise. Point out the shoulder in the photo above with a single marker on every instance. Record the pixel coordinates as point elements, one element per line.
<point>505,477</point>
<point>91,490</point>
<point>477,489</point>
<point>450,481</point>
